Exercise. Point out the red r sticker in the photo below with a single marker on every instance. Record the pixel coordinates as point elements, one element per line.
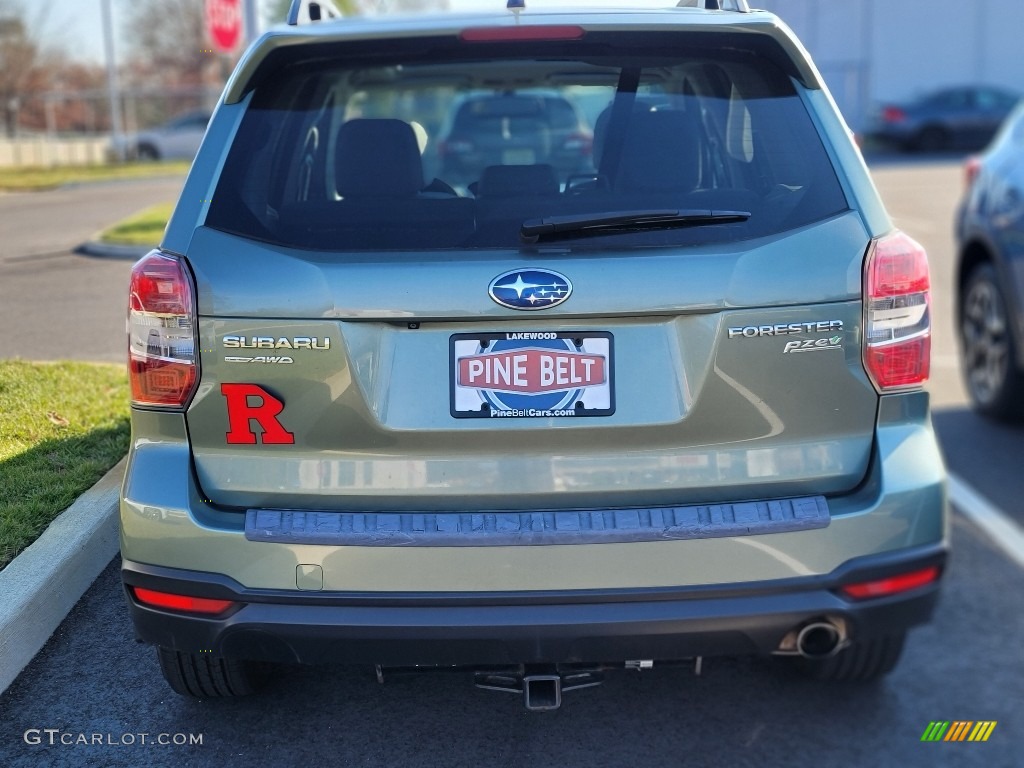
<point>248,403</point>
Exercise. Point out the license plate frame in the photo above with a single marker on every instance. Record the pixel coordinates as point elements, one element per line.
<point>531,374</point>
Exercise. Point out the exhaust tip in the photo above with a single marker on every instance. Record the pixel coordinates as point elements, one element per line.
<point>818,640</point>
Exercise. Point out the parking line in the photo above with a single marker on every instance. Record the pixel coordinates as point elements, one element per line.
<point>1004,532</point>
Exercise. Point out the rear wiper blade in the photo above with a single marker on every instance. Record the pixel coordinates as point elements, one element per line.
<point>578,224</point>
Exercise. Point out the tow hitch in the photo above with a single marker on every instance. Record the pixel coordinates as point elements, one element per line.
<point>541,685</point>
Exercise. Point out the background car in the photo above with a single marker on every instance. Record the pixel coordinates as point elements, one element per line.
<point>512,128</point>
<point>990,274</point>
<point>177,139</point>
<point>952,118</point>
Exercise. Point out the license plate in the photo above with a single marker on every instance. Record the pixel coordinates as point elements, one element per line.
<point>532,374</point>
<point>518,157</point>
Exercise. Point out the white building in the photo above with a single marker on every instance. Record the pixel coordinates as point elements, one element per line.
<point>871,51</point>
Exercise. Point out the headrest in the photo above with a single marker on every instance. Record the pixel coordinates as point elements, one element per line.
<point>640,104</point>
<point>661,153</point>
<point>377,158</point>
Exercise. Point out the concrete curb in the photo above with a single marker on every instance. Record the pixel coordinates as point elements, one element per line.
<point>103,250</point>
<point>42,584</point>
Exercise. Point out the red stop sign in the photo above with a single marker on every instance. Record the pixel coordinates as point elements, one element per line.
<point>224,24</point>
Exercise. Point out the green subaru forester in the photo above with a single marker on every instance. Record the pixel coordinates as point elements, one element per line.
<point>534,343</point>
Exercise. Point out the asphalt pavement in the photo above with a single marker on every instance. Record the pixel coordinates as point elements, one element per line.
<point>56,304</point>
<point>52,222</point>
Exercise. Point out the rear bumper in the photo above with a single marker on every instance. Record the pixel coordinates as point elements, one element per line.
<point>513,628</point>
<point>900,506</point>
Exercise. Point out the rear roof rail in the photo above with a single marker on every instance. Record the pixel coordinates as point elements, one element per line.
<point>740,6</point>
<point>315,10</point>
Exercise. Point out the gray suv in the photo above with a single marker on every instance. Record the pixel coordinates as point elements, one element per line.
<point>667,408</point>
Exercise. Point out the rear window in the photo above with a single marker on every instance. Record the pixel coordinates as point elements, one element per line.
<point>458,145</point>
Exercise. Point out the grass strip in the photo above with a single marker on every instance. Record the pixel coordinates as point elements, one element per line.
<point>62,427</point>
<point>143,228</point>
<point>39,179</point>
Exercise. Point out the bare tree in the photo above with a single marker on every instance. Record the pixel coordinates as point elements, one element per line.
<point>64,95</point>
<point>18,54</point>
<point>167,42</point>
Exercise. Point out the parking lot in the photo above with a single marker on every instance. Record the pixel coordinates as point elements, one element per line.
<point>92,680</point>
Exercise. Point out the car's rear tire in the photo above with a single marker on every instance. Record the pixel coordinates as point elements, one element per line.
<point>931,139</point>
<point>147,153</point>
<point>860,662</point>
<point>201,676</point>
<point>989,347</point>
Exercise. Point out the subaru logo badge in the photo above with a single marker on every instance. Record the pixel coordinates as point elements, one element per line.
<point>530,289</point>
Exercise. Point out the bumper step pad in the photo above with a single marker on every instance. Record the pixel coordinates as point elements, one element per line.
<point>604,526</point>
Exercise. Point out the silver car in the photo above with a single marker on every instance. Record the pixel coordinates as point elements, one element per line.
<point>665,408</point>
<point>177,139</point>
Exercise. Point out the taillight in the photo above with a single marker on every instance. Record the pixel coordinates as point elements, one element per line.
<point>893,115</point>
<point>184,603</point>
<point>897,317</point>
<point>892,585</point>
<point>161,335</point>
<point>579,143</point>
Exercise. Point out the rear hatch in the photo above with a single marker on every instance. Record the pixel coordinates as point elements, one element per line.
<point>681,323</point>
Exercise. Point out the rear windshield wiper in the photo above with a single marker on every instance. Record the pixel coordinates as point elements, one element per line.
<point>582,224</point>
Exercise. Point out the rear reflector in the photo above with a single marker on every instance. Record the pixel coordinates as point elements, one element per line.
<point>892,585</point>
<point>897,316</point>
<point>161,339</point>
<point>512,34</point>
<point>182,603</point>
